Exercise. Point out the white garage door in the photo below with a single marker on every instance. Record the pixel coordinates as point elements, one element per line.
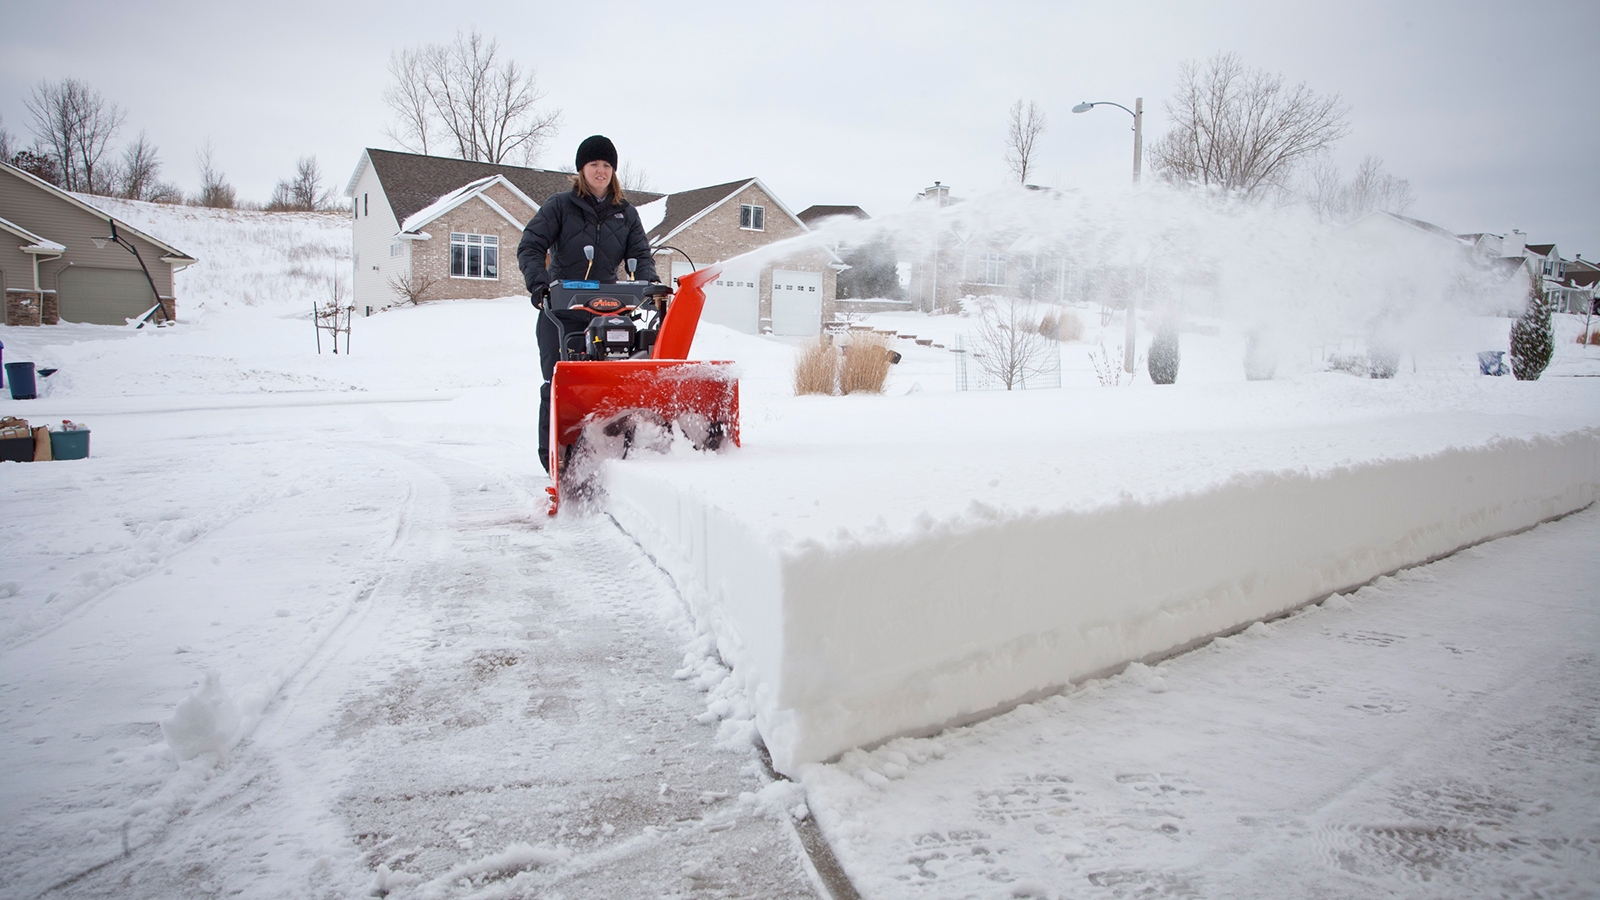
<point>796,302</point>
<point>732,300</point>
<point>103,296</point>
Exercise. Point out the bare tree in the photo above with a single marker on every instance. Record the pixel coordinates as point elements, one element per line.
<point>1022,139</point>
<point>464,96</point>
<point>304,192</point>
<point>1242,129</point>
<point>409,98</point>
<point>138,174</point>
<point>215,191</point>
<point>634,177</point>
<point>414,287</point>
<point>1008,345</point>
<point>7,151</point>
<point>74,124</point>
<point>1371,189</point>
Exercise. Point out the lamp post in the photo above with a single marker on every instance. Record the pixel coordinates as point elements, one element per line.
<point>124,243</point>
<point>1138,155</point>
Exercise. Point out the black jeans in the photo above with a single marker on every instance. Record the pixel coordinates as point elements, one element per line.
<point>549,355</point>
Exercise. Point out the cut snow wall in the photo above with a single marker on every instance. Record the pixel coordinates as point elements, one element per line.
<point>847,646</point>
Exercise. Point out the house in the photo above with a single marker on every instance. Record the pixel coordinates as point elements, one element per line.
<point>719,223</point>
<point>437,228</point>
<point>1567,284</point>
<point>57,262</point>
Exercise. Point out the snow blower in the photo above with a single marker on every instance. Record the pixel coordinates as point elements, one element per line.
<point>624,379</point>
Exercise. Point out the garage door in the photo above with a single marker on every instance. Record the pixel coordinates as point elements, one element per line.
<point>103,296</point>
<point>733,299</point>
<point>796,302</point>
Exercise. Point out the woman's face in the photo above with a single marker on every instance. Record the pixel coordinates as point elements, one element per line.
<point>597,175</point>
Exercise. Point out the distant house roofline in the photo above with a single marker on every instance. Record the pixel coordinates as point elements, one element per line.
<point>173,254</point>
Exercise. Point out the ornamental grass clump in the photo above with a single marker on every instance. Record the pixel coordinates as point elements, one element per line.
<point>866,365</point>
<point>816,369</point>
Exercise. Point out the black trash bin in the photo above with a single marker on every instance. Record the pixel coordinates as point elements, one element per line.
<point>20,377</point>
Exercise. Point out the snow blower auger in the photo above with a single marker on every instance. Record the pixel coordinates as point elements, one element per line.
<point>624,379</point>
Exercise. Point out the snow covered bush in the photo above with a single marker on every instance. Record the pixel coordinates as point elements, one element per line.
<point>1164,354</point>
<point>866,365</point>
<point>1260,361</point>
<point>1532,341</point>
<point>1062,326</point>
<point>816,369</point>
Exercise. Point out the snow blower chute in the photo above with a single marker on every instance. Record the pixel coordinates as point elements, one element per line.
<point>624,378</point>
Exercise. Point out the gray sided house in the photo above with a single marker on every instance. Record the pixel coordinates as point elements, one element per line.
<point>52,269</point>
<point>446,229</point>
<point>716,224</point>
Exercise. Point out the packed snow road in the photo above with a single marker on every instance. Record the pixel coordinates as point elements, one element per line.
<point>1434,734</point>
<point>423,687</point>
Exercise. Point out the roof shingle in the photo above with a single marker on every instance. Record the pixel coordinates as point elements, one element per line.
<point>413,181</point>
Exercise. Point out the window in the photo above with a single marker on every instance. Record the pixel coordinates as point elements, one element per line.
<point>992,269</point>
<point>752,217</point>
<point>396,249</point>
<point>474,256</point>
<point>366,209</point>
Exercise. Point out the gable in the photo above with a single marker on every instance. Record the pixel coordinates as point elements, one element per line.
<point>689,207</point>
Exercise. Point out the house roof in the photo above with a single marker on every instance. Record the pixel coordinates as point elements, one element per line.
<point>1442,232</point>
<point>686,205</point>
<point>171,253</point>
<point>1582,279</point>
<point>813,214</point>
<point>685,208</point>
<point>36,244</point>
<point>413,182</point>
<point>1581,265</point>
<point>1541,249</point>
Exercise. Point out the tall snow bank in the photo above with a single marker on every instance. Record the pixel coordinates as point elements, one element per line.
<point>864,593</point>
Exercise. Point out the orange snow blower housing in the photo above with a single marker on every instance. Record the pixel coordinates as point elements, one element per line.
<point>624,367</point>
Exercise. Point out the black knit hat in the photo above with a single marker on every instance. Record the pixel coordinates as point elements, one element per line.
<point>596,147</point>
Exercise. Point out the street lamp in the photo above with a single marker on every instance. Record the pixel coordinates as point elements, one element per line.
<point>1138,126</point>
<point>1138,153</point>
<point>101,242</point>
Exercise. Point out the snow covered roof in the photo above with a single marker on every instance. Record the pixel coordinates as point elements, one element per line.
<point>414,223</point>
<point>36,244</point>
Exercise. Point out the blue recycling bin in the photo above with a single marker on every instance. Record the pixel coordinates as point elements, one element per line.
<point>69,444</point>
<point>20,377</point>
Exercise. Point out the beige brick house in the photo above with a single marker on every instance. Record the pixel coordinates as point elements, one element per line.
<point>449,227</point>
<point>716,224</point>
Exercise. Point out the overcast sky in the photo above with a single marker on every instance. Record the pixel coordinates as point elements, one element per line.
<point>1488,108</point>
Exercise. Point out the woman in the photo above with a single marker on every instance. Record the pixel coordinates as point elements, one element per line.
<point>593,214</point>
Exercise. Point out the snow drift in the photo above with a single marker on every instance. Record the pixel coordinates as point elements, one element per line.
<point>872,629</point>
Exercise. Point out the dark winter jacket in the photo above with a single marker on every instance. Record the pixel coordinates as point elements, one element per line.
<point>565,224</point>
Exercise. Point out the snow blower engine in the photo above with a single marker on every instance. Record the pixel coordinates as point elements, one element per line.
<point>623,365</point>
